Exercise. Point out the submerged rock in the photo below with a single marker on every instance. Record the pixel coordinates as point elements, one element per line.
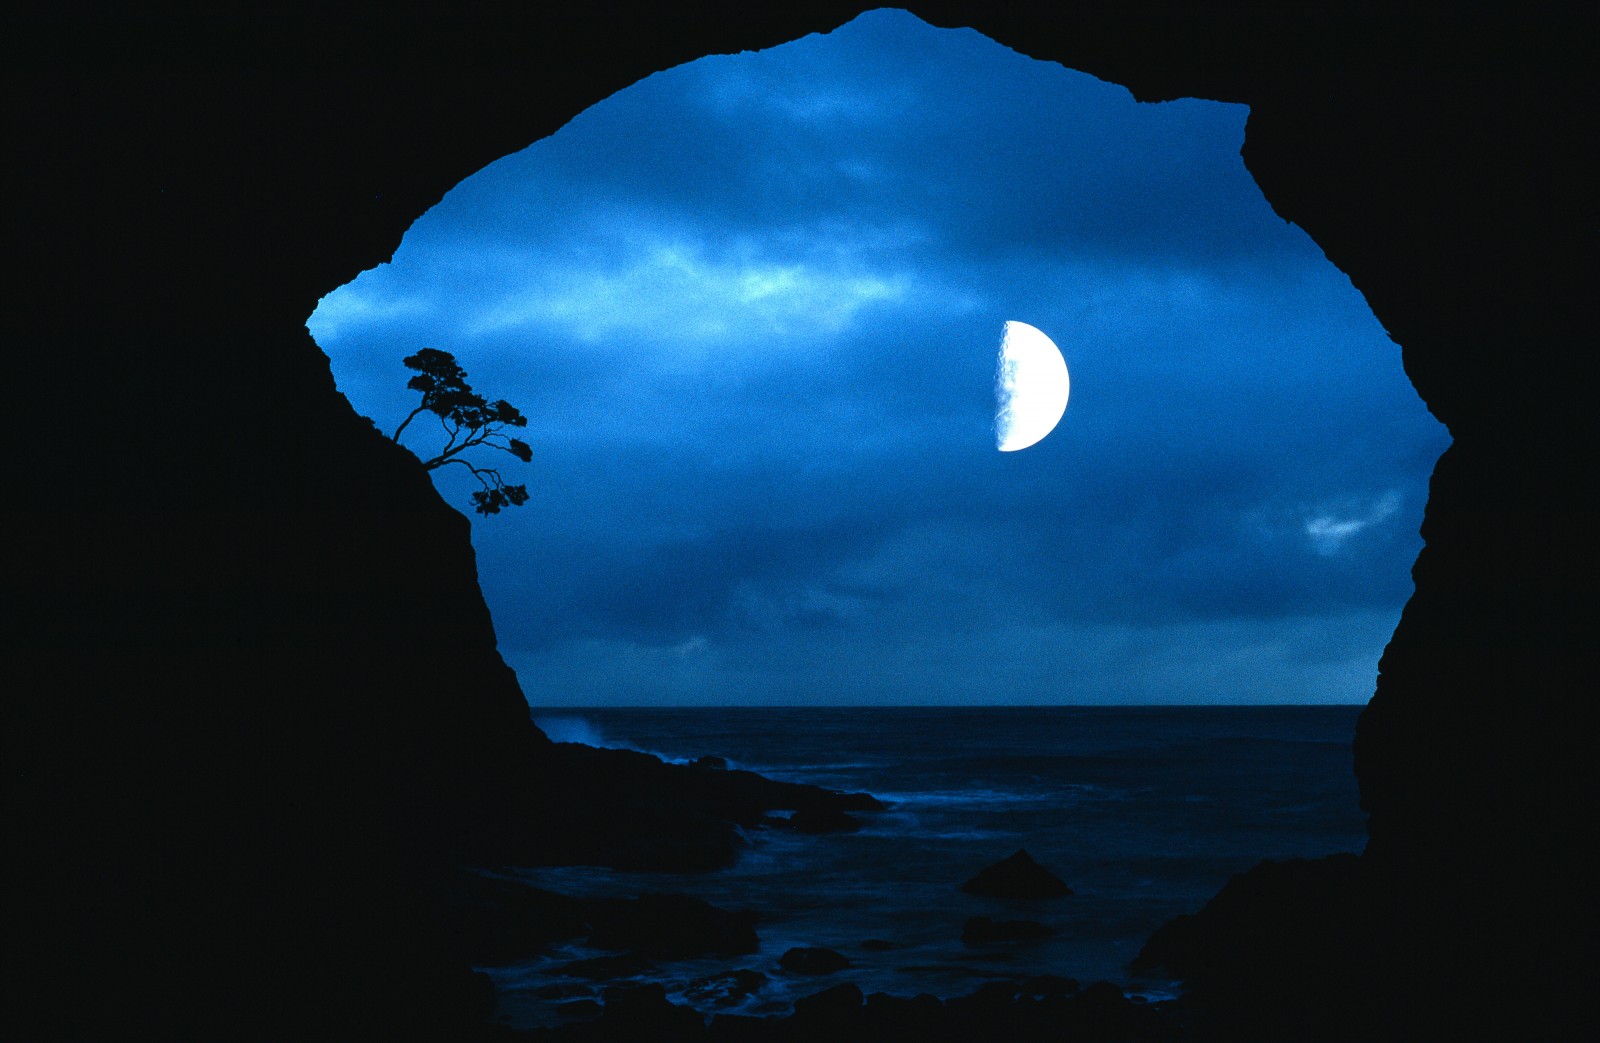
<point>812,961</point>
<point>1017,876</point>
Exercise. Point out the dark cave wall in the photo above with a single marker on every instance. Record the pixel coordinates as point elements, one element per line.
<point>248,661</point>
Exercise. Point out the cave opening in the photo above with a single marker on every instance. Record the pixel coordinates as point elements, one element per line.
<point>750,308</point>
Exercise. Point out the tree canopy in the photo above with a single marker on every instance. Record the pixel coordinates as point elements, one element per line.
<point>469,421</point>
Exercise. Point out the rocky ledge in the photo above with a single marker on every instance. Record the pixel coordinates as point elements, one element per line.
<point>633,811</point>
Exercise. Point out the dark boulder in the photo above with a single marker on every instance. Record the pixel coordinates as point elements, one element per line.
<point>1274,940</point>
<point>812,961</point>
<point>980,930</point>
<point>1017,876</point>
<point>709,761</point>
<point>644,1012</point>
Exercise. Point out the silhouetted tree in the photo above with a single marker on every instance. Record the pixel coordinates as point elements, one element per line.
<point>469,421</point>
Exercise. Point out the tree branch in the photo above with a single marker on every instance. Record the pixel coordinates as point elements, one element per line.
<point>396,436</point>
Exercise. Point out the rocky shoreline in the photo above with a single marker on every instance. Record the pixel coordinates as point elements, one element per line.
<point>697,815</point>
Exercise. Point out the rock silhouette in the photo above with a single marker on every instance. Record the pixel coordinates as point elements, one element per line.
<point>812,961</point>
<point>1017,876</point>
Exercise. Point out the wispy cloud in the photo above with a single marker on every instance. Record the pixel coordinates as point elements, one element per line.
<point>1329,532</point>
<point>678,292</point>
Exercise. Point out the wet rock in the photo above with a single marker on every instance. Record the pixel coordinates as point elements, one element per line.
<point>725,989</point>
<point>980,930</point>
<point>709,762</point>
<point>812,961</point>
<point>1017,876</point>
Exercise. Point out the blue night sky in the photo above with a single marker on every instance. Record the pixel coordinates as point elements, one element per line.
<point>751,307</point>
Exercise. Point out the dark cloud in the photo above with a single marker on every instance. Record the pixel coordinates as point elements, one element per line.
<point>752,306</point>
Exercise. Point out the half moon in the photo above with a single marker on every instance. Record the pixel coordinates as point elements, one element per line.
<point>1030,387</point>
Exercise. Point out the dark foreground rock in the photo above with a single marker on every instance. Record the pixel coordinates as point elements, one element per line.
<point>668,926</point>
<point>502,920</point>
<point>1007,1011</point>
<point>1276,939</point>
<point>1017,876</point>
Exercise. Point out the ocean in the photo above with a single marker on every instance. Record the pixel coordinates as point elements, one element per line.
<point>1145,812</point>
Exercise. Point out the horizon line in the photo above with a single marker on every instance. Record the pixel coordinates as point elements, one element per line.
<point>943,706</point>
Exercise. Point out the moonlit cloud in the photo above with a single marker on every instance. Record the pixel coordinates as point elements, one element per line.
<point>675,291</point>
<point>1330,533</point>
<point>750,306</point>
